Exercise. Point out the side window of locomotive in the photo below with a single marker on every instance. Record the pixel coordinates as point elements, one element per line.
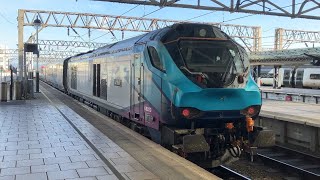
<point>155,59</point>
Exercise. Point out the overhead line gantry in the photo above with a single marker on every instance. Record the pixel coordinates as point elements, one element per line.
<point>248,35</point>
<point>285,37</point>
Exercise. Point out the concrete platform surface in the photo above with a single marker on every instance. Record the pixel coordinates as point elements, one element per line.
<point>291,111</point>
<point>45,139</point>
<point>292,90</point>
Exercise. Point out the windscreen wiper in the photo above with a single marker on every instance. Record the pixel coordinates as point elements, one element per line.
<point>194,73</point>
<point>228,69</point>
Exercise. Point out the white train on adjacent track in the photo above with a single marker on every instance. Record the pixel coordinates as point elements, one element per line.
<point>296,78</point>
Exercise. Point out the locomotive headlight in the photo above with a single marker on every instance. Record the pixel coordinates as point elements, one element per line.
<point>190,113</point>
<point>202,32</point>
<point>186,113</point>
<point>251,111</point>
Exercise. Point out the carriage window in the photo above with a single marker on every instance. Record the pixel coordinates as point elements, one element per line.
<point>270,75</point>
<point>314,76</point>
<point>155,59</point>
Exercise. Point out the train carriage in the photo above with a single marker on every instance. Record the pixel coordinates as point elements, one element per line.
<point>53,74</point>
<point>293,77</point>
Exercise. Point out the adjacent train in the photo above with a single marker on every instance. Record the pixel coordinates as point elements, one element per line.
<point>295,78</point>
<point>186,86</point>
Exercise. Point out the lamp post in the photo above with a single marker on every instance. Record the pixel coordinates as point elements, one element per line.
<point>37,24</point>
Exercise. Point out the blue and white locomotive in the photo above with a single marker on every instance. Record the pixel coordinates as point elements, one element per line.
<point>186,86</point>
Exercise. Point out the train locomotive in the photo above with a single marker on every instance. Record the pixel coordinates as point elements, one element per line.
<point>186,86</point>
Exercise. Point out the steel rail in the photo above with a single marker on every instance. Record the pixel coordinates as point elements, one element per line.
<point>304,173</point>
<point>227,173</point>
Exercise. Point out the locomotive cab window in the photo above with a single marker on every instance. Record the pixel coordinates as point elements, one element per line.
<point>155,59</point>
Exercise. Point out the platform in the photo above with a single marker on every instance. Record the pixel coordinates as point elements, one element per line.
<point>299,113</point>
<point>294,123</point>
<point>292,90</point>
<point>308,96</point>
<point>55,137</point>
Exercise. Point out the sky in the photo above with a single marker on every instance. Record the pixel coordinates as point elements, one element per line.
<point>9,12</point>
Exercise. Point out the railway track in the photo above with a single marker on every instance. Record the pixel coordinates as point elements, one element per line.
<point>227,173</point>
<point>295,163</point>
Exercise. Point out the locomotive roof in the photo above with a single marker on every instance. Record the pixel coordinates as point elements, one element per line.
<point>164,35</point>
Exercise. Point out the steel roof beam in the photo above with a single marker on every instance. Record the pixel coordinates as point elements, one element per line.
<point>266,7</point>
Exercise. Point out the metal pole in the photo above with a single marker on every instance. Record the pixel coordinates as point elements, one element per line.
<point>255,73</point>
<point>25,78</point>
<point>259,76</point>
<point>11,83</point>
<point>274,77</point>
<point>20,42</point>
<point>37,73</point>
<point>279,82</point>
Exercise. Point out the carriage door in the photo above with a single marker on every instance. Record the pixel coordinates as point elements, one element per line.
<point>74,77</point>
<point>137,102</point>
<point>299,78</point>
<point>96,80</point>
<point>286,77</point>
